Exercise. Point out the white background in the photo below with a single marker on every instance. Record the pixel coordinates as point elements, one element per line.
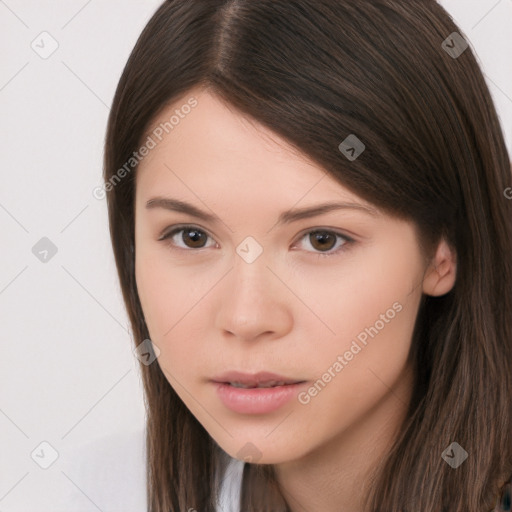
<point>67,372</point>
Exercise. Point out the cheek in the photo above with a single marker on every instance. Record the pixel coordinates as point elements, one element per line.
<point>367,292</point>
<point>170,301</point>
<point>371,305</point>
<point>372,333</point>
<point>343,391</point>
<point>153,294</point>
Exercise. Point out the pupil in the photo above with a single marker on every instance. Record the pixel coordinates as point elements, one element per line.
<point>321,236</point>
<point>194,235</point>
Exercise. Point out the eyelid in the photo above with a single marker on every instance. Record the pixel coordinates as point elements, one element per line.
<point>347,240</point>
<point>336,231</point>
<point>169,232</point>
<point>176,228</point>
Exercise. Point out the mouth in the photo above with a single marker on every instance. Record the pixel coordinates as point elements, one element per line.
<point>259,393</point>
<point>271,384</point>
<point>255,380</point>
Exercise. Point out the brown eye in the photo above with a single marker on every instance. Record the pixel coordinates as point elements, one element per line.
<point>187,237</point>
<point>322,240</point>
<point>325,242</point>
<point>196,238</point>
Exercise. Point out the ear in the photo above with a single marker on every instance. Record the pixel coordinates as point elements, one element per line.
<point>440,274</point>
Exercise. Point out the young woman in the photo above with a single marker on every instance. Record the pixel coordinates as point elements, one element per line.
<point>308,209</point>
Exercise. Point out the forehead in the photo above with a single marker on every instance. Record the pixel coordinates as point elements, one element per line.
<point>212,148</point>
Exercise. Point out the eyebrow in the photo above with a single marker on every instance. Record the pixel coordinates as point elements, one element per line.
<point>286,217</point>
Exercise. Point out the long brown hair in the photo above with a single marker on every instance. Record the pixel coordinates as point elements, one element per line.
<point>315,71</point>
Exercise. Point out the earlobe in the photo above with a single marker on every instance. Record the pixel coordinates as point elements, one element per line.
<point>441,273</point>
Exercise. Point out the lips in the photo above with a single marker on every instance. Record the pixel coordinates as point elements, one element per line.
<point>256,399</point>
<point>255,380</point>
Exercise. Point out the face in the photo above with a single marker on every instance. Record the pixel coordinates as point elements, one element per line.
<point>327,300</point>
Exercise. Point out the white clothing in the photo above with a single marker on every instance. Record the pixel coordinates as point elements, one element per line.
<point>109,474</point>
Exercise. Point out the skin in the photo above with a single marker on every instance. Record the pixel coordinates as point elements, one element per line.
<point>290,311</point>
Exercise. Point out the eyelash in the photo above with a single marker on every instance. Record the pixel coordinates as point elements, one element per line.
<point>342,248</point>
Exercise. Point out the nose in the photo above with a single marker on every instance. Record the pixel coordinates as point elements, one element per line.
<point>253,302</point>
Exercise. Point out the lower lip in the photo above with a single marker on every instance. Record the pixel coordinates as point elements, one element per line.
<point>256,400</point>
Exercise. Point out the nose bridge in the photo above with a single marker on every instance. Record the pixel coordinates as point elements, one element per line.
<point>251,277</point>
<point>250,267</point>
<point>251,301</point>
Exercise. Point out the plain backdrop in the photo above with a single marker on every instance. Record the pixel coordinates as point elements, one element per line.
<point>67,372</point>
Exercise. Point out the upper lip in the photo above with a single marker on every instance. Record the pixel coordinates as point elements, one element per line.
<point>254,379</point>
